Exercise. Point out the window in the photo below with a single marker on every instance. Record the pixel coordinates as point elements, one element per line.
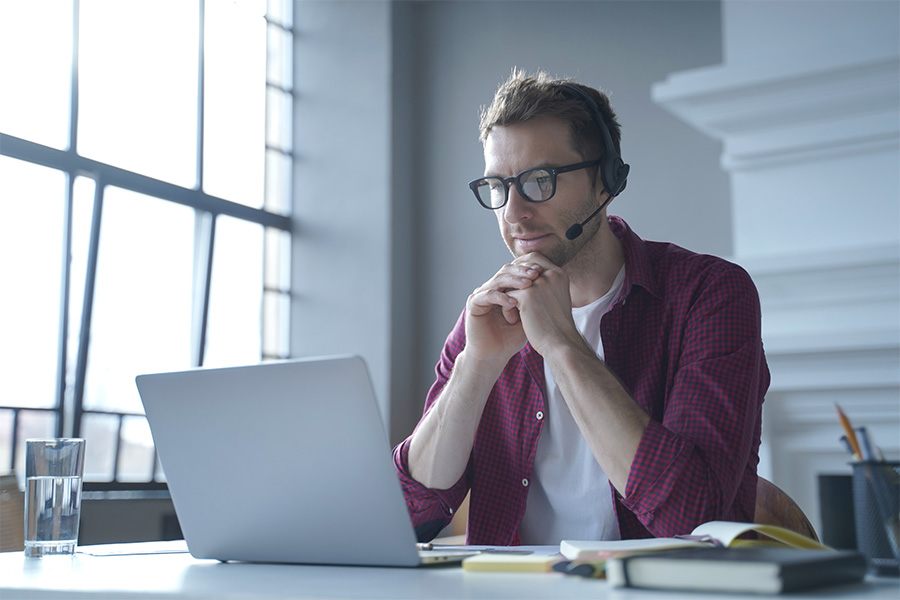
<point>145,165</point>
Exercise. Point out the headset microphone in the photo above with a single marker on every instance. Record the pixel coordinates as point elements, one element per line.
<point>575,230</point>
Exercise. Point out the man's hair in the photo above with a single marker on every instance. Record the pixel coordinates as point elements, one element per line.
<point>523,97</point>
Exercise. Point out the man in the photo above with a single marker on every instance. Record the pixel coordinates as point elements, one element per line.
<point>598,386</point>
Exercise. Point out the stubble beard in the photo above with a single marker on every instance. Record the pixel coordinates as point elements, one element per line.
<point>564,249</point>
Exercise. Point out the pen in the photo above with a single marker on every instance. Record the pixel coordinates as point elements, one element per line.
<point>846,443</point>
<point>583,568</point>
<point>866,445</point>
<point>848,429</point>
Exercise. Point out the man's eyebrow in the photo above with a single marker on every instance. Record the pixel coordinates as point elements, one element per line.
<point>545,164</point>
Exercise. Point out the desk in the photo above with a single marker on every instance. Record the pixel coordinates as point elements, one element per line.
<point>164,576</point>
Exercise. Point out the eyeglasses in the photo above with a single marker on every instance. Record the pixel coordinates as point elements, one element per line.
<point>535,185</point>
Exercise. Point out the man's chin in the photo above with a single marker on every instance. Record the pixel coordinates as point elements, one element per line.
<point>561,252</point>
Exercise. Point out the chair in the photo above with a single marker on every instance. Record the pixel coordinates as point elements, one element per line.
<point>12,507</point>
<point>775,507</point>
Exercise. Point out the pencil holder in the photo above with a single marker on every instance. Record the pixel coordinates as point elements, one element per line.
<point>876,501</point>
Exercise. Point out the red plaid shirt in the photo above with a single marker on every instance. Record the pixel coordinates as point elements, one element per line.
<point>684,338</point>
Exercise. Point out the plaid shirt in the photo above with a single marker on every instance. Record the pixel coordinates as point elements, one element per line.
<point>684,337</point>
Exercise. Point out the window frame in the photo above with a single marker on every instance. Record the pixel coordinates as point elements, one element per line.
<point>69,404</point>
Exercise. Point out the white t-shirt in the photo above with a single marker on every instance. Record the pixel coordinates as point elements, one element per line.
<point>569,495</point>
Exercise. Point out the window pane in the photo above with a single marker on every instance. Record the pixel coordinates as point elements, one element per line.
<point>234,101</point>
<point>142,299</point>
<point>278,259</point>
<point>33,424</point>
<point>278,119</point>
<point>35,68</point>
<point>32,231</point>
<point>281,12</point>
<point>276,302</point>
<point>99,432</point>
<point>278,182</point>
<point>138,86</point>
<point>235,302</point>
<point>279,64</point>
<point>136,450</point>
<point>276,324</point>
<point>6,436</point>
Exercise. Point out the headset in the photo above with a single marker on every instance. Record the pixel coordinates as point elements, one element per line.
<point>613,171</point>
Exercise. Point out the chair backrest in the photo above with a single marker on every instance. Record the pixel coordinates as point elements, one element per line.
<point>12,507</point>
<point>775,507</point>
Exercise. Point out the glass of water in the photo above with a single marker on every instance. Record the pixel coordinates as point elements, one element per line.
<point>53,472</point>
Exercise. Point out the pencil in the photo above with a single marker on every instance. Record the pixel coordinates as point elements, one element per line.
<point>848,429</point>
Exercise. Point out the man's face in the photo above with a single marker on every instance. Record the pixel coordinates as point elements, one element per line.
<point>541,227</point>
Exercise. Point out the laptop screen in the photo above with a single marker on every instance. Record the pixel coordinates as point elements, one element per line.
<point>280,462</point>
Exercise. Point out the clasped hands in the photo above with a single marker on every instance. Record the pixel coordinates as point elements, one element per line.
<point>526,300</point>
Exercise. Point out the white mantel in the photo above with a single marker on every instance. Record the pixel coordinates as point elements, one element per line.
<point>812,149</point>
<point>811,143</point>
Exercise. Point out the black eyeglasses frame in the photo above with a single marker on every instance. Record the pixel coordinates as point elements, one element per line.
<point>553,171</point>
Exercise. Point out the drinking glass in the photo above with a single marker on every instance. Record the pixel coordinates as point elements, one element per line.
<point>53,474</point>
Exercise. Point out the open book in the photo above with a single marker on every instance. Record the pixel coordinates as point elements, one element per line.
<point>714,533</point>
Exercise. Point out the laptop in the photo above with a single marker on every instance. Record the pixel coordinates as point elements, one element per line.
<point>283,462</point>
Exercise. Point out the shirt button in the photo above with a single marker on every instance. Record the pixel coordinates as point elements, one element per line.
<point>539,415</point>
<point>524,482</point>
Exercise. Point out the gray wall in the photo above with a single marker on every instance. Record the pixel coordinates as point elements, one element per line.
<point>623,47</point>
<point>388,98</point>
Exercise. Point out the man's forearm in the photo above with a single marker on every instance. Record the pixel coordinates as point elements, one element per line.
<point>441,445</point>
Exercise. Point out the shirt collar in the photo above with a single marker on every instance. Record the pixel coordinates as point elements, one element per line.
<point>638,264</point>
<point>638,271</point>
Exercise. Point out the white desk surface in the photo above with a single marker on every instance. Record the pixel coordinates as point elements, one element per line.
<point>163,576</point>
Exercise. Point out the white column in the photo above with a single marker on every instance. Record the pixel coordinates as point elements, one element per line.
<point>807,106</point>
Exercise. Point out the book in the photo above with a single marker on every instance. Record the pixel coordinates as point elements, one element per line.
<point>512,562</point>
<point>761,569</point>
<point>713,533</point>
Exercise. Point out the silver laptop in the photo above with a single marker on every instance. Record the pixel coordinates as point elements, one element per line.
<point>284,462</point>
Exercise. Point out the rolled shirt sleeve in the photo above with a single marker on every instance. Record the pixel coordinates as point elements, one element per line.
<point>696,461</point>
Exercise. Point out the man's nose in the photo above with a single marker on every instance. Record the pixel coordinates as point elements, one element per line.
<point>517,207</point>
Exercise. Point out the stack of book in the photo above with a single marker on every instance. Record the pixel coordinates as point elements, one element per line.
<point>714,559</point>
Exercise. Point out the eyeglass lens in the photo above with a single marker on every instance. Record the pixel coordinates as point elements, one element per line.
<point>536,185</point>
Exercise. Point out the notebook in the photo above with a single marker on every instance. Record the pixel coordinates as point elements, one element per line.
<point>283,462</point>
<point>762,570</point>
